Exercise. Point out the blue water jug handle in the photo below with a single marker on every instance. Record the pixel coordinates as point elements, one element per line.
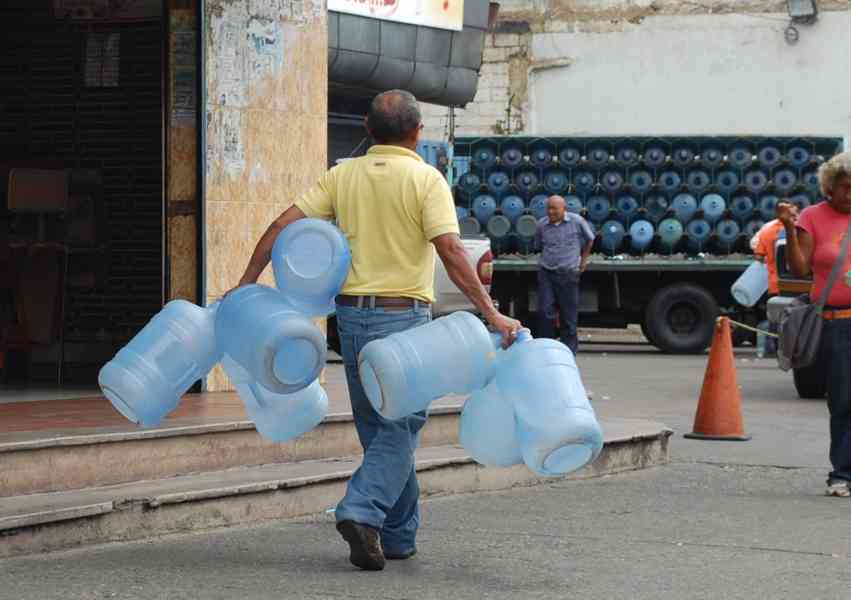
<point>523,335</point>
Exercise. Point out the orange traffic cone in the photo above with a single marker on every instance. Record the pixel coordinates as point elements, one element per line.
<point>719,412</point>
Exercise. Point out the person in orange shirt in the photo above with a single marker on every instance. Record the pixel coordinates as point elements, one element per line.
<point>765,250</point>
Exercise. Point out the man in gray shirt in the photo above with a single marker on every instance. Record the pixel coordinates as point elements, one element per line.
<point>564,240</point>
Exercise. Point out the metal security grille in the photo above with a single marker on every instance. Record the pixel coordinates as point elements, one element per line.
<point>65,103</point>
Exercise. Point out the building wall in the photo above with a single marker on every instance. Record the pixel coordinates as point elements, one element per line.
<point>662,67</point>
<point>266,70</point>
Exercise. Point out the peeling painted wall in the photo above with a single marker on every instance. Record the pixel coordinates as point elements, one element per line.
<point>266,67</point>
<point>662,66</point>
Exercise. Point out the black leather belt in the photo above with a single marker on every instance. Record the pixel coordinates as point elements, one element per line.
<point>380,301</point>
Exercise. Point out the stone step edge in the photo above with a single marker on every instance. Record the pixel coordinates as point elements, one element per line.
<point>111,437</point>
<point>457,457</point>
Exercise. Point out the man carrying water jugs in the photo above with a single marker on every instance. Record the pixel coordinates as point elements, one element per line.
<point>394,209</point>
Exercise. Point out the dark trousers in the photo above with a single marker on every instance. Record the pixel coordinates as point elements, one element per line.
<point>559,287</point>
<point>836,361</point>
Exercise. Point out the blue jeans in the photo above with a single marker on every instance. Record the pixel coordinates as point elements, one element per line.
<point>835,359</point>
<point>383,492</point>
<point>559,286</point>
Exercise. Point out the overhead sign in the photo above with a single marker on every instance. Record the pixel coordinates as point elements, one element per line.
<point>443,14</point>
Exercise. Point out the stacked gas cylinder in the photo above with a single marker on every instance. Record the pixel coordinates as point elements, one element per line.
<point>642,195</point>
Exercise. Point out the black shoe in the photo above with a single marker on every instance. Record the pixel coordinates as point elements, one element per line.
<point>403,556</point>
<point>364,545</point>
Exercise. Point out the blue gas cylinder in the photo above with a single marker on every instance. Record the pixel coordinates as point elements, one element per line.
<point>147,377</point>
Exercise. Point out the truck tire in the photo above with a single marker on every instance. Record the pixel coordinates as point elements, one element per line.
<point>645,331</point>
<point>810,383</point>
<point>681,318</point>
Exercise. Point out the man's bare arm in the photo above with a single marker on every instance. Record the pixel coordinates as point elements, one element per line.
<point>263,252</point>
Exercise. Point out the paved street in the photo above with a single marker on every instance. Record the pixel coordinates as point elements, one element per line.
<point>723,520</point>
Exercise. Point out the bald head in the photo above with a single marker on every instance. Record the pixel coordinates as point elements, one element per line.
<point>556,209</point>
<point>394,118</point>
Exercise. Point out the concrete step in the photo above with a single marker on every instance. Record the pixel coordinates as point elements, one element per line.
<point>240,496</point>
<point>57,460</point>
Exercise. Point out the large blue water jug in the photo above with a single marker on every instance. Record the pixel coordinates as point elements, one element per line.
<point>461,213</point>
<point>741,207</point>
<point>498,228</point>
<point>627,209</point>
<point>541,156</point>
<point>740,156</point>
<point>556,181</point>
<point>756,181</point>
<point>484,156</point>
<point>727,181</point>
<point>612,234</point>
<point>752,227</point>
<point>802,201</point>
<point>626,156</point>
<point>484,207</point>
<point>670,181</point>
<point>641,181</point>
<point>712,157</point>
<point>538,205</point>
<point>810,180</point>
<point>656,206</point>
<point>146,378</point>
<point>279,346</point>
<point>404,372</point>
<point>557,429</point>
<point>670,232</point>
<point>751,285</point>
<point>698,231</point>
<point>278,417</point>
<point>569,156</point>
<point>612,181</point>
<point>798,156</point>
<point>698,181</point>
<point>527,181</point>
<point>469,183</point>
<point>526,226</point>
<point>785,180</point>
<point>655,157</point>
<point>727,234</point>
<point>682,156</point>
<point>684,207</point>
<point>713,207</point>
<point>598,208</point>
<point>470,226</point>
<point>769,156</point>
<point>598,156</point>
<point>573,203</point>
<point>498,182</point>
<point>641,235</point>
<point>768,207</point>
<point>512,207</point>
<point>584,181</point>
<point>488,429</point>
<point>512,156</point>
<point>311,260</point>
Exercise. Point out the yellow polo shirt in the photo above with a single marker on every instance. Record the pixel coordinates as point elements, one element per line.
<point>389,204</point>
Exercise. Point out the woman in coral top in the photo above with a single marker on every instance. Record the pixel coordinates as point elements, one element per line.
<point>813,243</point>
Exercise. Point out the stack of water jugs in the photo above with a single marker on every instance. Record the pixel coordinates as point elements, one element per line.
<point>528,403</point>
<point>663,195</point>
<point>265,339</point>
